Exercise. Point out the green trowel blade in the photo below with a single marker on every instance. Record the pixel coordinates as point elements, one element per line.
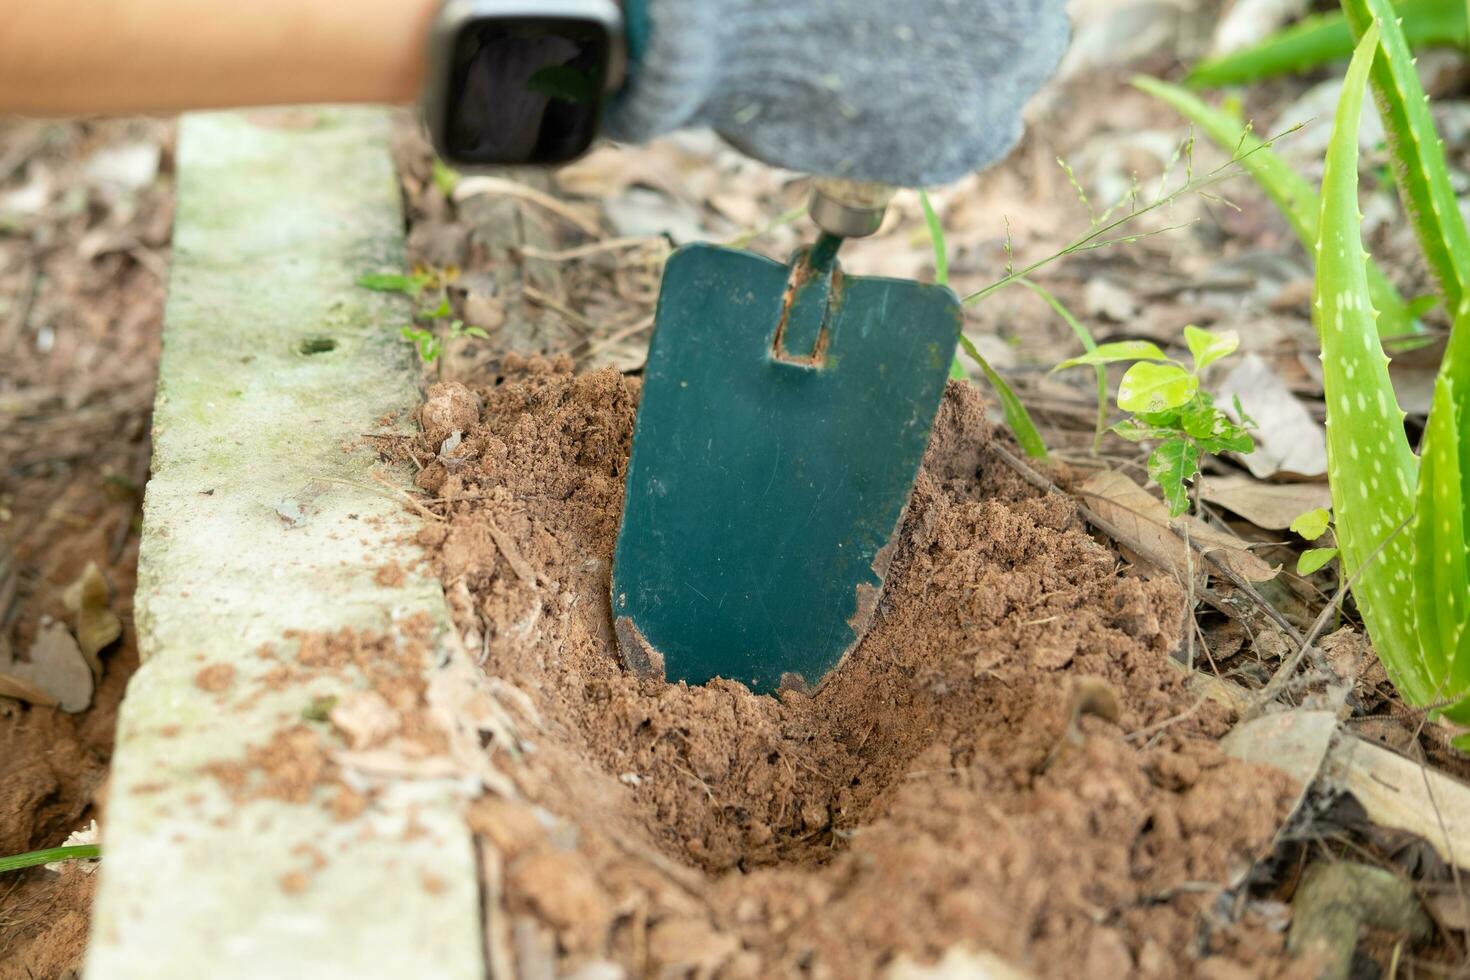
<point>784,414</point>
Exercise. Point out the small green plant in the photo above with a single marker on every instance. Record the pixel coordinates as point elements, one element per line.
<point>1311,526</point>
<point>1167,406</point>
<point>429,340</point>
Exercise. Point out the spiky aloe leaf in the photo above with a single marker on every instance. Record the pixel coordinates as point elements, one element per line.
<point>1322,38</point>
<point>1370,465</point>
<point>1441,579</point>
<point>1416,150</point>
<point>1292,194</point>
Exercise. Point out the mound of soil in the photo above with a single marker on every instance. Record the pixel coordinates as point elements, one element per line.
<point>946,786</point>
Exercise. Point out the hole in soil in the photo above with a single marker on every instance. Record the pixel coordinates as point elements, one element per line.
<point>317,345</point>
<point>925,795</point>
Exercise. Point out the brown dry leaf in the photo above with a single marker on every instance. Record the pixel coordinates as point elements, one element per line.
<point>14,687</point>
<point>1266,505</point>
<point>57,667</point>
<point>1288,439</point>
<point>97,625</point>
<point>1144,523</point>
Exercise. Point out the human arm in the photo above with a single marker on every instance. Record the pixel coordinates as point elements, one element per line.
<point>74,57</point>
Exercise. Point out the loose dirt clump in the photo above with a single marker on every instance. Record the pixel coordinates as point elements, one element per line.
<point>940,789</point>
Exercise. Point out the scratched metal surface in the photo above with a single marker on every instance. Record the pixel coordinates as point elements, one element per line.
<point>762,493</point>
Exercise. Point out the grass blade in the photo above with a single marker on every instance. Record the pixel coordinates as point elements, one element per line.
<point>1416,150</point>
<point>1016,415</point>
<point>1371,467</point>
<point>31,859</point>
<point>941,268</point>
<point>1322,38</point>
<point>1089,345</point>
<point>1292,194</point>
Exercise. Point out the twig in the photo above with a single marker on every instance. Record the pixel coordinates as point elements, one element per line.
<point>631,330</point>
<point>1234,578</point>
<point>591,248</point>
<point>480,184</point>
<point>557,306</point>
<point>1288,667</point>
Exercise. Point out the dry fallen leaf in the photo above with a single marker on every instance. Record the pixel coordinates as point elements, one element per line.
<point>1272,506</point>
<point>96,624</point>
<point>1144,524</point>
<point>56,666</point>
<point>1288,439</point>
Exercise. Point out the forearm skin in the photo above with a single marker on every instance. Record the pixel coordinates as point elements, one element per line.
<point>68,57</point>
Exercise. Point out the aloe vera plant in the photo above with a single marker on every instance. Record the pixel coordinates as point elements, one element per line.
<point>1323,38</point>
<point>1400,521</point>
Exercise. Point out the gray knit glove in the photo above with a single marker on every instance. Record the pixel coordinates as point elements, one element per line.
<point>908,92</point>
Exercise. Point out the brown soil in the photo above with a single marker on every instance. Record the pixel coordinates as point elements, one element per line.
<point>81,299</point>
<point>941,788</point>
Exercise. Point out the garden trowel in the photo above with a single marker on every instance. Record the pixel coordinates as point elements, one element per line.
<point>784,414</point>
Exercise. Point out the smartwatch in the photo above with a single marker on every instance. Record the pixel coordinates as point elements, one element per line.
<point>521,82</point>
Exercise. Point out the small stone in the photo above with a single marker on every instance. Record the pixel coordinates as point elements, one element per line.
<point>450,407</point>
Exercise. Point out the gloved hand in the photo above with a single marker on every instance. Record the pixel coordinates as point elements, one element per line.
<point>908,92</point>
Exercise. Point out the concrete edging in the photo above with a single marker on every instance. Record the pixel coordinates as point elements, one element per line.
<point>260,518</point>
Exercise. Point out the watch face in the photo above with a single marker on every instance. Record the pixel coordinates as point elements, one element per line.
<point>524,90</point>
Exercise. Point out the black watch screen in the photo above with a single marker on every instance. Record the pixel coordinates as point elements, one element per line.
<point>525,90</point>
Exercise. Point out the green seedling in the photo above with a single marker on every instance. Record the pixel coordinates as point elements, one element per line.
<point>1324,38</point>
<point>1293,194</point>
<point>1400,519</point>
<point>410,285</point>
<point>1167,406</point>
<point>445,178</point>
<point>1016,416</point>
<point>33,859</point>
<point>426,339</point>
<point>1311,526</point>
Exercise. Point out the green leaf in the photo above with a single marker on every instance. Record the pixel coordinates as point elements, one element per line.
<point>936,238</point>
<point>33,859</point>
<point>957,370</point>
<point>1200,419</point>
<point>1135,430</point>
<point>1317,40</point>
<point>1172,466</point>
<point>1422,177</point>
<point>445,178</point>
<point>1206,348</point>
<point>1370,465</point>
<point>1016,415</point>
<point>478,332</point>
<point>1293,196</point>
<point>1121,350</point>
<point>441,310</point>
<point>391,282</point>
<point>1441,578</point>
<point>1313,559</point>
<point>1150,387</point>
<point>1312,524</point>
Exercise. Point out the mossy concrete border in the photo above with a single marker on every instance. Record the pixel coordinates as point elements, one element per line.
<point>261,517</point>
